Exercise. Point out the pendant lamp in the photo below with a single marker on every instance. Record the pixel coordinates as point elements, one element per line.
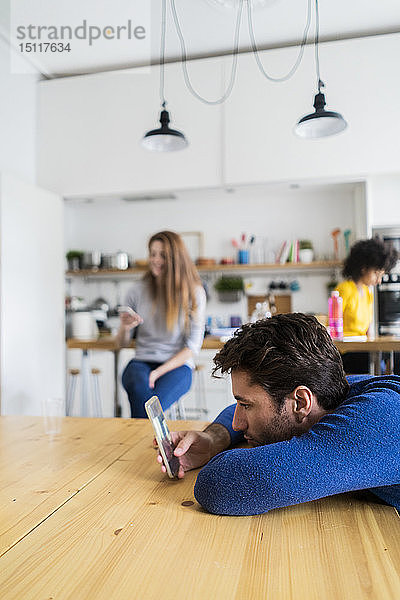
<point>164,139</point>
<point>321,123</point>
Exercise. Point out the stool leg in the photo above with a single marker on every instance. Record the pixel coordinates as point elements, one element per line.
<point>96,395</point>
<point>84,383</point>
<point>181,409</point>
<point>202,393</point>
<point>70,394</point>
<point>200,410</point>
<point>171,412</point>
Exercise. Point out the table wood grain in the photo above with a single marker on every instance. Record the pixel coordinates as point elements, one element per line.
<point>94,518</point>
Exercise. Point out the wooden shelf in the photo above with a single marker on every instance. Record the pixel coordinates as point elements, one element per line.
<point>314,266</point>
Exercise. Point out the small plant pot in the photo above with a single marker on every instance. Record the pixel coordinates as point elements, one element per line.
<point>229,295</point>
<point>74,264</point>
<point>306,255</point>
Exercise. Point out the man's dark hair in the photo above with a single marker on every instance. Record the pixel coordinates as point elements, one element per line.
<point>369,254</point>
<point>283,352</point>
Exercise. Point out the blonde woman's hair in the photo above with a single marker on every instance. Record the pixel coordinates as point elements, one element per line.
<point>179,279</point>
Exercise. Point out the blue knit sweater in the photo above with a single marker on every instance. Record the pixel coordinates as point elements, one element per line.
<point>355,447</point>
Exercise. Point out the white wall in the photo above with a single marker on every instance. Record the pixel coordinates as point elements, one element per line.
<point>18,107</point>
<point>270,213</point>
<point>384,196</point>
<point>31,297</point>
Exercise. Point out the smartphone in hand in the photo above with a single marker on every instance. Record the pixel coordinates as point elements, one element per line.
<point>163,436</point>
<point>126,309</point>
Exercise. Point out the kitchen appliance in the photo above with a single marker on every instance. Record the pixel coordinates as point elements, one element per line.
<point>84,326</point>
<point>91,260</point>
<point>118,260</point>
<point>388,293</point>
<point>100,310</point>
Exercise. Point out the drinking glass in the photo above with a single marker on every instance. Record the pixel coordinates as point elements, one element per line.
<point>53,409</point>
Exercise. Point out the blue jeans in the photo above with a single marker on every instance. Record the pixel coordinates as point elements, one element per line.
<point>169,387</point>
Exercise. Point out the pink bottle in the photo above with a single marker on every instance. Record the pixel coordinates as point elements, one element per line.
<point>335,311</point>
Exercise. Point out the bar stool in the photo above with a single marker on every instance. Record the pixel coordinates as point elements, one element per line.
<point>95,392</point>
<point>176,411</point>
<point>200,410</point>
<point>199,386</point>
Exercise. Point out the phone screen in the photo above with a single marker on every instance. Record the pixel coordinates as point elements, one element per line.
<point>163,436</point>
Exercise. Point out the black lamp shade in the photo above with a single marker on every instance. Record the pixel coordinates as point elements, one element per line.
<point>321,123</point>
<point>164,139</point>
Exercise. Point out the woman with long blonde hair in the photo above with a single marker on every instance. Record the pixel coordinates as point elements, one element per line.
<point>167,306</point>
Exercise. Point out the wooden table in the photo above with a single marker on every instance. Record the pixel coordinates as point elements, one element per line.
<point>87,515</point>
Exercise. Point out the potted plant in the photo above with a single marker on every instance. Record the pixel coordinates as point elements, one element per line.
<point>74,259</point>
<point>306,251</point>
<point>229,289</point>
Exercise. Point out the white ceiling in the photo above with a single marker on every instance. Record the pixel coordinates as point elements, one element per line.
<point>208,30</point>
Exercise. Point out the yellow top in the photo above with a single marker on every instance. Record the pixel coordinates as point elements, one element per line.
<point>357,308</point>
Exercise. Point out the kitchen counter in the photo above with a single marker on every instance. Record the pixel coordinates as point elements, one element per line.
<point>109,343</point>
<point>378,344</point>
<point>374,346</point>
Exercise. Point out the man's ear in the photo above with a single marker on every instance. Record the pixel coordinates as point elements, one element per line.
<point>302,402</point>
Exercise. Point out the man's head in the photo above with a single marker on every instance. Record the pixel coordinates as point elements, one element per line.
<point>286,374</point>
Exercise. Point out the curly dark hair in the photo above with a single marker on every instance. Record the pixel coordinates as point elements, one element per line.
<point>283,352</point>
<point>368,254</point>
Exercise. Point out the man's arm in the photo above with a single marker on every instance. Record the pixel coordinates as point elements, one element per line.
<point>355,447</point>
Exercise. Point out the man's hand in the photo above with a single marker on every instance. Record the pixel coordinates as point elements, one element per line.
<point>195,448</point>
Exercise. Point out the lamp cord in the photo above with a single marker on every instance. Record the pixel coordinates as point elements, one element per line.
<point>320,83</point>
<point>296,65</point>
<point>235,51</point>
<point>162,54</point>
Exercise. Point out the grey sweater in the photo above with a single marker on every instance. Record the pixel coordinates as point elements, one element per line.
<point>154,343</point>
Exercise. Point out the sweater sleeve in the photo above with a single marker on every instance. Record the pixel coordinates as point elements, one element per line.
<point>355,447</point>
<point>225,418</point>
<point>131,298</point>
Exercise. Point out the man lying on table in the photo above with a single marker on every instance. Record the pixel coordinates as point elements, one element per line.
<point>310,433</point>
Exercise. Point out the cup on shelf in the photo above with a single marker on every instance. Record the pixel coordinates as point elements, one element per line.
<point>257,254</point>
<point>243,257</point>
<point>306,255</point>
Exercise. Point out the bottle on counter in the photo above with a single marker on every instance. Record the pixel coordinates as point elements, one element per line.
<point>335,314</point>
<point>261,311</point>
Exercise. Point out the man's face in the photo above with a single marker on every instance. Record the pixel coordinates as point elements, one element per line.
<point>258,416</point>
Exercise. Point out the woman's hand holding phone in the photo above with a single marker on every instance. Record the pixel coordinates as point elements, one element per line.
<point>129,318</point>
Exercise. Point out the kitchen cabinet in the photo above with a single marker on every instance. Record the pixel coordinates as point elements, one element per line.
<point>259,117</point>
<point>90,129</point>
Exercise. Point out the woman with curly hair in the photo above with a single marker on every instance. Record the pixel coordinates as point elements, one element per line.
<point>167,307</point>
<point>363,269</point>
